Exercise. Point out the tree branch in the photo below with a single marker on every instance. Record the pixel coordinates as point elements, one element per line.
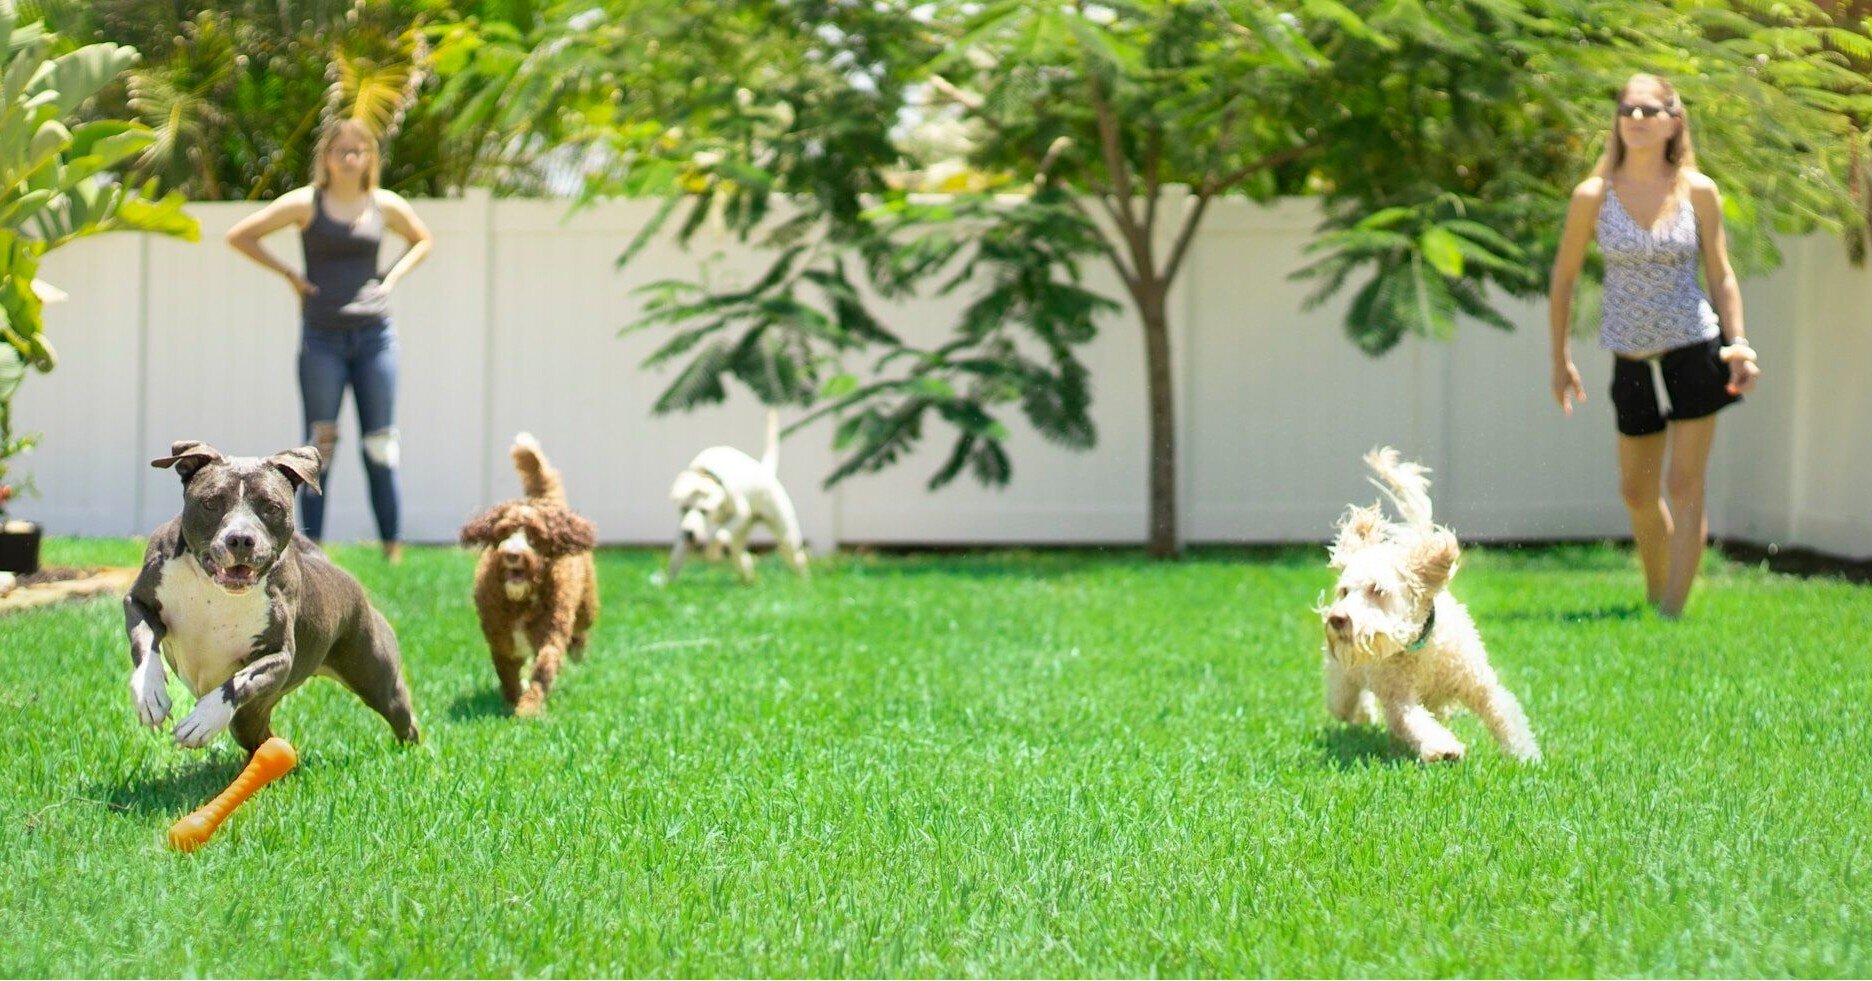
<point>966,100</point>
<point>1153,156</point>
<point>1111,252</point>
<point>1185,235</point>
<point>1058,149</point>
<point>1213,186</point>
<point>1112,148</point>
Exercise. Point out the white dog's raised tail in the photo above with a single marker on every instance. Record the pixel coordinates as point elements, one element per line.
<point>770,457</point>
<point>1404,483</point>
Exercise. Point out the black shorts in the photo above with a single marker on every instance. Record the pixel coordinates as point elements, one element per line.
<point>1696,380</point>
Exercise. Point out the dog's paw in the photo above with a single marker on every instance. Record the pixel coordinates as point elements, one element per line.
<point>212,714</point>
<point>150,690</point>
<point>1440,750</point>
<point>531,705</point>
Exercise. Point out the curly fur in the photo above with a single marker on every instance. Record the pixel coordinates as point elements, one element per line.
<point>1392,578</point>
<point>536,586</point>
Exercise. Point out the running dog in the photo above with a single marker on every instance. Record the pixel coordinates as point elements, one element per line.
<point>245,609</point>
<point>723,494</point>
<point>1396,640</point>
<point>536,586</point>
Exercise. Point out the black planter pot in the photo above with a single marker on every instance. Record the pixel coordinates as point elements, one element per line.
<point>19,549</point>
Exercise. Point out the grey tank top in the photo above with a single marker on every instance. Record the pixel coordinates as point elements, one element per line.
<point>341,260</point>
<point>1652,302</point>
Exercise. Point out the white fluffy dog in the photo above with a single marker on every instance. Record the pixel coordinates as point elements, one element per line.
<point>723,494</point>
<point>1395,636</point>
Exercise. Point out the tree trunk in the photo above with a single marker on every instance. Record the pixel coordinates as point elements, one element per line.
<point>1165,543</point>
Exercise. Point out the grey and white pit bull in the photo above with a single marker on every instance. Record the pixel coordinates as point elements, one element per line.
<point>245,608</point>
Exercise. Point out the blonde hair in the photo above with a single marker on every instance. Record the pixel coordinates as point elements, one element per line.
<point>1679,152</point>
<point>321,178</point>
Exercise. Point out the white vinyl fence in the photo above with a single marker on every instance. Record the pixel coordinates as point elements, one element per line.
<point>512,325</point>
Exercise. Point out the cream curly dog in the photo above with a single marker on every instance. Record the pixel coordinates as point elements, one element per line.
<point>1396,640</point>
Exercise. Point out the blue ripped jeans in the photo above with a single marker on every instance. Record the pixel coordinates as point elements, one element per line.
<point>364,358</point>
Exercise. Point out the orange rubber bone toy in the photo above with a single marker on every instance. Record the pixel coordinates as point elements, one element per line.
<point>271,761</point>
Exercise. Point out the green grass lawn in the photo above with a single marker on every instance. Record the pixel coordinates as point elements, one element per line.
<point>1077,763</point>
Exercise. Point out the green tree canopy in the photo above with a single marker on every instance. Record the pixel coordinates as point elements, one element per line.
<point>1444,139</point>
<point>55,186</point>
<point>234,92</point>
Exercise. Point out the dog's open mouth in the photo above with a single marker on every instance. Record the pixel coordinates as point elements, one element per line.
<point>517,586</point>
<point>235,578</point>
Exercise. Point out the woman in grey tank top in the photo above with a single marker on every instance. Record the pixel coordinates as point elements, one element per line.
<point>346,338</point>
<point>1678,357</point>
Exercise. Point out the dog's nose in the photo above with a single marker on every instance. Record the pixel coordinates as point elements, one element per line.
<point>240,542</point>
<point>1338,621</point>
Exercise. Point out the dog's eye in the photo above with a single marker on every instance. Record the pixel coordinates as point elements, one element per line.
<point>1378,592</point>
<point>213,503</point>
<point>1342,592</point>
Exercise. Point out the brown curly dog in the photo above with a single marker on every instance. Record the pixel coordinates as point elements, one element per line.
<point>536,587</point>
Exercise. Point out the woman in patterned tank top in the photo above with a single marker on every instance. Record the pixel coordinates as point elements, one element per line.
<point>1678,358</point>
<point>346,339</point>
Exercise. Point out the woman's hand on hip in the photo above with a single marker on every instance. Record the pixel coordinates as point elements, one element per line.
<point>301,285</point>
<point>1566,385</point>
<point>1743,369</point>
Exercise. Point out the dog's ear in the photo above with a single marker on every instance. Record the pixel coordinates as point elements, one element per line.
<point>301,466</point>
<point>187,456</point>
<point>685,487</point>
<point>1433,560</point>
<point>1360,527</point>
<point>566,533</point>
<point>483,528</point>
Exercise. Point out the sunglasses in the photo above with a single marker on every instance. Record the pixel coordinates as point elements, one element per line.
<point>1636,111</point>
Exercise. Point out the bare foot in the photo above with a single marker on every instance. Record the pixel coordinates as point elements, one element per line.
<point>393,552</point>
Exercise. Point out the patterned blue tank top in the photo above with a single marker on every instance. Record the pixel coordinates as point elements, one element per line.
<point>1652,302</point>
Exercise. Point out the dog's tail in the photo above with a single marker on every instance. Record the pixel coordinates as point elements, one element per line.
<point>1404,483</point>
<point>770,457</point>
<point>537,476</point>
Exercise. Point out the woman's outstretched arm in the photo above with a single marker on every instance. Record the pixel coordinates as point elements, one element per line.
<point>1582,212</point>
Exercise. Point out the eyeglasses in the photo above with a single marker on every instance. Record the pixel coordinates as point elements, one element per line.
<point>1636,111</point>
